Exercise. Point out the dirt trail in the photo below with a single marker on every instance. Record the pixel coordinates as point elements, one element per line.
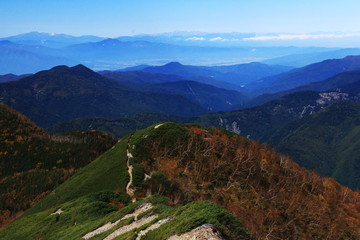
<point>129,188</point>
<point>141,209</point>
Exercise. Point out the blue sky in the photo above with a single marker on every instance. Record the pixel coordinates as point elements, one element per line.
<point>111,18</point>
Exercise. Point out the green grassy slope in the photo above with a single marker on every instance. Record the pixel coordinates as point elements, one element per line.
<point>108,172</point>
<point>90,212</point>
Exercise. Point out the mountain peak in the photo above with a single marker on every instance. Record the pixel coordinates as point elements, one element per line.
<point>80,67</point>
<point>109,41</point>
<point>173,64</point>
<point>60,67</point>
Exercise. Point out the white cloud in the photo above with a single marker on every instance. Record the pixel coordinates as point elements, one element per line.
<point>195,39</point>
<point>216,39</point>
<point>300,37</point>
<point>224,39</point>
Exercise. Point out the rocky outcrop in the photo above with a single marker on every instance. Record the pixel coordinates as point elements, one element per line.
<point>204,232</point>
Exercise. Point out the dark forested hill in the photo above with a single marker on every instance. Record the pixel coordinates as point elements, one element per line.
<point>327,141</point>
<point>64,93</point>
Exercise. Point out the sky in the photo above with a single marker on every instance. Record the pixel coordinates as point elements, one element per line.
<point>113,18</point>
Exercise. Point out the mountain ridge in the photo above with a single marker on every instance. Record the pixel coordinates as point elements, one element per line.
<point>263,189</point>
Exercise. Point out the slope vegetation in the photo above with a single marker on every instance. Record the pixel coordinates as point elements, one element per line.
<point>326,141</point>
<point>268,192</point>
<point>33,163</point>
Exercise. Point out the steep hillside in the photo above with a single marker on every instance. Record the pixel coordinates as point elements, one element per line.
<point>138,78</point>
<point>119,127</point>
<point>33,163</point>
<point>207,96</point>
<point>64,93</point>
<point>326,141</point>
<point>238,74</point>
<point>253,122</point>
<point>269,193</point>
<point>257,121</point>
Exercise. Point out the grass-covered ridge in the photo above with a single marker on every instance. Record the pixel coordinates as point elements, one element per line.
<point>92,211</point>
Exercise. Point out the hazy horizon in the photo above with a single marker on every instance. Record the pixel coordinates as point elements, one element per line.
<point>122,18</point>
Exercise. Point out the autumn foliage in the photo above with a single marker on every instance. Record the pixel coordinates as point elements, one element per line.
<point>271,194</point>
<point>33,163</point>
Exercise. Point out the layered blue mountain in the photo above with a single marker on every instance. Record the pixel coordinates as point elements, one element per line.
<point>64,93</point>
<point>101,54</point>
<point>339,82</point>
<point>11,77</point>
<point>306,58</point>
<point>136,78</point>
<point>208,96</point>
<point>312,73</point>
<point>239,74</point>
<point>22,59</point>
<point>51,40</point>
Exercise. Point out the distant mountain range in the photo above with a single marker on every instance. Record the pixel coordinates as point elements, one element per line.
<point>43,51</point>
<point>301,60</point>
<point>51,40</point>
<point>10,77</point>
<point>338,82</point>
<point>23,59</point>
<point>201,90</point>
<point>141,77</point>
<point>239,74</point>
<point>311,73</point>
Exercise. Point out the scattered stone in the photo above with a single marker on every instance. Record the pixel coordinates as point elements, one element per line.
<point>59,211</point>
<point>204,232</point>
